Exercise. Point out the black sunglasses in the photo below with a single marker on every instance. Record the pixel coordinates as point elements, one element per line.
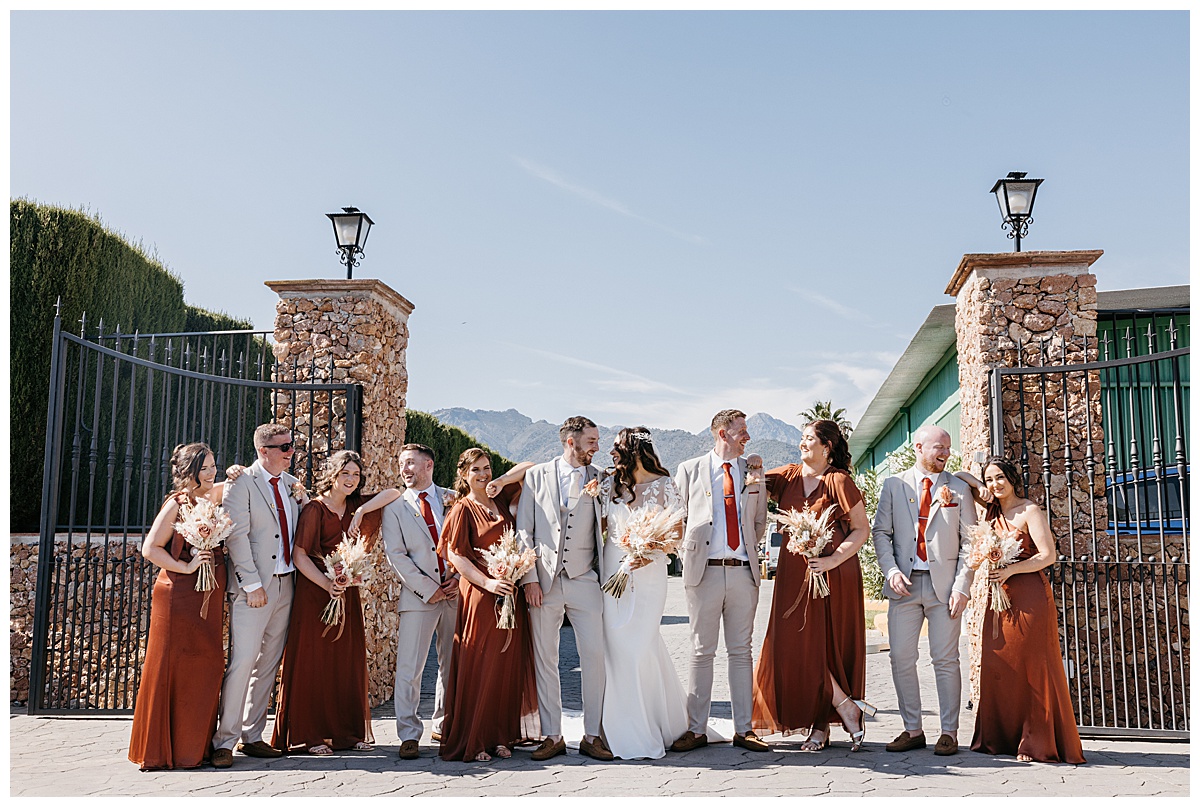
<point>283,447</point>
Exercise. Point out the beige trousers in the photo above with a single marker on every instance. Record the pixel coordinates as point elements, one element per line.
<point>725,594</point>
<point>417,630</point>
<point>582,601</point>
<point>257,637</point>
<point>905,616</point>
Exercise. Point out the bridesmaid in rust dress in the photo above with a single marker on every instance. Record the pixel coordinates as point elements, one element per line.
<point>491,702</point>
<point>176,710</point>
<point>323,704</point>
<point>812,668</point>
<point>1024,704</point>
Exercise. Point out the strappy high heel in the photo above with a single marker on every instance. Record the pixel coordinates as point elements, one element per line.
<point>864,710</point>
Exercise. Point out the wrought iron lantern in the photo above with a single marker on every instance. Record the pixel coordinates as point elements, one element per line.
<point>1015,195</point>
<point>351,228</point>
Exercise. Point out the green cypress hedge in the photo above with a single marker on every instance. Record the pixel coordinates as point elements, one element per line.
<point>55,252</point>
<point>447,442</point>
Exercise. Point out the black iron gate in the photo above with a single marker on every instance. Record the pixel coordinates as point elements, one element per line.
<point>1121,580</point>
<point>118,405</point>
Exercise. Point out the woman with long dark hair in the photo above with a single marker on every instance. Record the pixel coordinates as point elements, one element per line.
<point>812,668</point>
<point>491,700</point>
<point>323,703</point>
<point>1024,705</point>
<point>644,707</point>
<point>176,711</point>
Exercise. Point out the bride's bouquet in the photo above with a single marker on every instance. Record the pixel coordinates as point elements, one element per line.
<point>508,559</point>
<point>347,565</point>
<point>993,548</point>
<point>204,525</point>
<point>651,529</point>
<point>808,535</point>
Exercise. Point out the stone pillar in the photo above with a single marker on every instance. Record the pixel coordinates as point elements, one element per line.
<point>1015,301</point>
<point>357,331</point>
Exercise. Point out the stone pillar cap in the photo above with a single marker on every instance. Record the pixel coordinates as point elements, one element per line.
<point>328,287</point>
<point>1022,264</point>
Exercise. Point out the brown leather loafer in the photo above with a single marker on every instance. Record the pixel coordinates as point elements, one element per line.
<point>946,746</point>
<point>409,749</point>
<point>548,750</point>
<point>259,749</point>
<point>750,742</point>
<point>690,741</point>
<point>222,758</point>
<point>596,749</point>
<point>906,742</point>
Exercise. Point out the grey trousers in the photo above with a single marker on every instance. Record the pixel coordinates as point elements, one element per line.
<point>905,616</point>
<point>417,629</point>
<point>725,594</point>
<point>257,637</point>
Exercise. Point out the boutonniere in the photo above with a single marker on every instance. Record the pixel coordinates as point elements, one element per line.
<point>946,496</point>
<point>752,478</point>
<point>298,491</point>
<point>592,488</point>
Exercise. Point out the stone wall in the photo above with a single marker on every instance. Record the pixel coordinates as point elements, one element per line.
<point>1035,308</point>
<point>357,331</point>
<point>101,613</point>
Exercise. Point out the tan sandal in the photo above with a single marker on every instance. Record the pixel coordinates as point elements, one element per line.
<point>502,752</point>
<point>363,746</point>
<point>321,750</point>
<point>483,756</point>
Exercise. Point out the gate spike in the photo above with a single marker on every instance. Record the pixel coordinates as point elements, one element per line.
<point>58,307</point>
<point>1174,333</point>
<point>83,326</point>
<point>1150,336</point>
<point>1128,340</point>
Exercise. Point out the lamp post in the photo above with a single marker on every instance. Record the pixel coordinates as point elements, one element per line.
<point>351,228</point>
<point>1015,195</point>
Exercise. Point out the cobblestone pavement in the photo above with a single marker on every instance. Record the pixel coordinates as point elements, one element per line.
<point>86,757</point>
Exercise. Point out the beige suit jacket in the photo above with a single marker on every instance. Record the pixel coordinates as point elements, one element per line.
<point>254,542</point>
<point>694,480</point>
<point>947,536</point>
<point>540,521</point>
<point>410,551</point>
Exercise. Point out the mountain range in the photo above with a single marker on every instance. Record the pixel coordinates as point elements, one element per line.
<point>519,438</point>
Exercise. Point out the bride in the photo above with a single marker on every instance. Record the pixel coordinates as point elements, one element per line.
<point>644,705</point>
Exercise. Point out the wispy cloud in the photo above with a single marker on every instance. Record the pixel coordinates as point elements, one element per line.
<point>860,318</point>
<point>600,200</point>
<point>620,380</point>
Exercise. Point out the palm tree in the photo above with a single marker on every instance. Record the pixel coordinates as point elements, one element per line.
<point>823,410</point>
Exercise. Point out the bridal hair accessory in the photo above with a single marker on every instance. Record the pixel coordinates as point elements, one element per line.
<point>641,437</point>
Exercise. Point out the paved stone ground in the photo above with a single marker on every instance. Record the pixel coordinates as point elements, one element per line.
<point>86,757</point>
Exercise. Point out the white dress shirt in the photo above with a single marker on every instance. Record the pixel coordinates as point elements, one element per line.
<point>565,470</point>
<point>719,546</point>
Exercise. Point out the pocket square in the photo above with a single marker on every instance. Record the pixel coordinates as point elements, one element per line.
<point>950,505</point>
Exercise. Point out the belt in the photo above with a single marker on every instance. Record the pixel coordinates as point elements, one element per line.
<point>285,574</point>
<point>727,562</point>
<point>920,571</point>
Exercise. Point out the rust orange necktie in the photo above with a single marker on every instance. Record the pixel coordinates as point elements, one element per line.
<point>283,523</point>
<point>732,532</point>
<point>923,516</point>
<point>427,514</point>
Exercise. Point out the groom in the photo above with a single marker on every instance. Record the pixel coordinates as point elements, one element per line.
<point>922,540</point>
<point>560,519</point>
<point>726,517</point>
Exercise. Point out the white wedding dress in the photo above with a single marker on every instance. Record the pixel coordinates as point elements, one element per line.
<point>644,706</point>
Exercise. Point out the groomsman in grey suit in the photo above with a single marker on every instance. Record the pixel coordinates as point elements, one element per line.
<point>264,512</point>
<point>428,592</point>
<point>922,540</point>
<point>726,518</point>
<point>559,516</point>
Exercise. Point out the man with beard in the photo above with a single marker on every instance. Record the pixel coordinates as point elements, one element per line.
<point>428,591</point>
<point>559,517</point>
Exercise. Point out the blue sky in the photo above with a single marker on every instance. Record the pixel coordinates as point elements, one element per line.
<point>642,217</point>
